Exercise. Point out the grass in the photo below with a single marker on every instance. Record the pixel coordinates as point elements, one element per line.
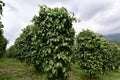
<point>111,75</point>
<point>77,74</point>
<point>12,69</point>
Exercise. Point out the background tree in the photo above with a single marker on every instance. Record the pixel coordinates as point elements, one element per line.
<point>1,10</point>
<point>1,6</point>
<point>3,40</point>
<point>10,53</point>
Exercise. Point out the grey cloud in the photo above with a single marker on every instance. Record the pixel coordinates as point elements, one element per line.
<point>11,34</point>
<point>55,1</point>
<point>115,30</point>
<point>90,13</point>
<point>11,7</point>
<point>111,20</point>
<point>95,13</point>
<point>91,9</point>
<point>26,2</point>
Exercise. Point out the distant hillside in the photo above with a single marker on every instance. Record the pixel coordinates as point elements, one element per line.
<point>113,37</point>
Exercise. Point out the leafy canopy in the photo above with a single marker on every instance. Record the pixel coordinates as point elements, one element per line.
<point>47,43</point>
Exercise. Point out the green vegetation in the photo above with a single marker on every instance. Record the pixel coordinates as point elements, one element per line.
<point>10,53</point>
<point>94,54</point>
<point>46,44</point>
<point>3,40</point>
<point>1,6</point>
<point>88,52</point>
<point>13,69</point>
<point>117,42</point>
<point>48,50</point>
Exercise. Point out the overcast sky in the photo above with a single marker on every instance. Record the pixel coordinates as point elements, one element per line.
<point>101,16</point>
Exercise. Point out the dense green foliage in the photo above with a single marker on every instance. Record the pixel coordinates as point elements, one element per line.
<point>88,52</point>
<point>1,6</point>
<point>115,56</point>
<point>23,44</point>
<point>3,43</point>
<point>110,56</point>
<point>10,53</point>
<point>3,40</point>
<point>47,43</point>
<point>1,10</point>
<point>94,54</point>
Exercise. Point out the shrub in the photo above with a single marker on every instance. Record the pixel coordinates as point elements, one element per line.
<point>47,43</point>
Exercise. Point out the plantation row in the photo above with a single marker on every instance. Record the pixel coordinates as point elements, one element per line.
<point>50,45</point>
